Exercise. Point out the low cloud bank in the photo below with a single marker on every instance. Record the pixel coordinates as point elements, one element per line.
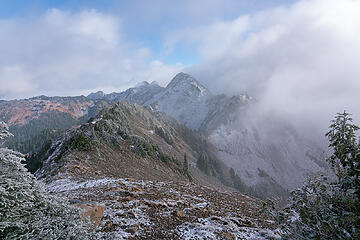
<point>300,61</point>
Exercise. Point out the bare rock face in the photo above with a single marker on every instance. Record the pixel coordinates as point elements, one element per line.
<point>95,212</point>
<point>21,112</point>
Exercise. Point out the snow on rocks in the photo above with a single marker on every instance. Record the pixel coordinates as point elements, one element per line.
<point>167,210</point>
<point>61,185</point>
<point>220,228</point>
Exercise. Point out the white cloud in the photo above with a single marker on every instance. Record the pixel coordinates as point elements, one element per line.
<point>62,53</point>
<point>17,82</point>
<point>302,60</point>
<point>159,72</point>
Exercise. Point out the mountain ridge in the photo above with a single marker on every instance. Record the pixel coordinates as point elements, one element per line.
<point>126,141</point>
<point>255,150</point>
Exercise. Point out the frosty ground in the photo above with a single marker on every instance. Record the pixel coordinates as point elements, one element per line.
<point>167,210</point>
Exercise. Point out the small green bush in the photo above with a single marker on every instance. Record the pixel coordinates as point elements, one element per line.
<point>81,142</point>
<point>161,133</point>
<point>165,158</point>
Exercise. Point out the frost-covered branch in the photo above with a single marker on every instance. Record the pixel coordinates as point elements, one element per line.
<point>27,211</point>
<point>4,132</point>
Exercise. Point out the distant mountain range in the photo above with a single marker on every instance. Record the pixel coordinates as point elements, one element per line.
<point>262,155</point>
<point>185,99</point>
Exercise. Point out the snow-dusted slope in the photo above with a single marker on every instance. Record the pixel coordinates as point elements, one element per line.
<point>224,110</point>
<point>97,95</point>
<point>139,94</point>
<point>267,149</point>
<point>184,99</point>
<point>263,150</point>
<point>194,105</point>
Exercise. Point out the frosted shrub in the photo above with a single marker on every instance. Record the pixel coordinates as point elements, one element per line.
<point>27,211</point>
<point>321,210</point>
<point>4,132</point>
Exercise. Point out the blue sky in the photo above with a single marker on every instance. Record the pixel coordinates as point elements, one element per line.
<point>147,22</point>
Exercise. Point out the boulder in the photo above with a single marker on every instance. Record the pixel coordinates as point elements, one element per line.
<point>95,212</point>
<point>179,214</point>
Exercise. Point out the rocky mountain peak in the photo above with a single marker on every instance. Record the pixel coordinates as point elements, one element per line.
<point>96,95</point>
<point>183,81</point>
<point>142,84</point>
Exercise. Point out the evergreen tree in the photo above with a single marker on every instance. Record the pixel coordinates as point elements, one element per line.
<point>325,208</point>
<point>27,211</point>
<point>203,163</point>
<point>185,164</point>
<point>345,160</point>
